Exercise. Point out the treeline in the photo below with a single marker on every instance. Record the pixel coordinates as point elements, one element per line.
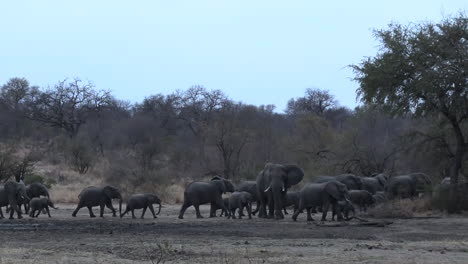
<point>199,132</point>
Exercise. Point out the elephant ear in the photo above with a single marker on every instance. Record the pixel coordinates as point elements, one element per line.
<point>216,178</point>
<point>294,175</point>
<point>108,192</point>
<point>332,189</point>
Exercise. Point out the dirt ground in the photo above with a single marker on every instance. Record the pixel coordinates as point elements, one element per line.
<point>64,239</point>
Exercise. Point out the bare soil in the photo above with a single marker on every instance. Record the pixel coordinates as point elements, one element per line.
<point>64,239</point>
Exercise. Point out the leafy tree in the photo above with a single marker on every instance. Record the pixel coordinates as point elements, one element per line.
<point>422,69</point>
<point>315,101</point>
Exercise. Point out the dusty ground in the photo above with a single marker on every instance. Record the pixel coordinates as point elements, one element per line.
<point>63,239</point>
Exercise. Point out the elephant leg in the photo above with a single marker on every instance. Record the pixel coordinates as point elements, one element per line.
<point>309,214</point>
<point>249,210</point>
<point>91,214</point>
<point>1,213</point>
<point>101,211</point>
<point>144,211</point>
<point>271,207</point>
<point>78,207</point>
<point>257,207</point>
<point>133,213</point>
<point>263,200</point>
<point>183,208</point>
<point>31,213</point>
<point>111,207</point>
<point>38,213</point>
<point>48,211</point>
<point>197,209</point>
<point>213,209</point>
<point>285,211</point>
<point>233,213</point>
<point>125,212</point>
<point>152,210</point>
<point>325,211</point>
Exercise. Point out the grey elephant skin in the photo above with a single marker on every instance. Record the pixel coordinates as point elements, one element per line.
<point>321,195</point>
<point>39,204</point>
<point>375,183</point>
<point>407,186</point>
<point>250,187</point>
<point>351,181</point>
<point>98,196</point>
<point>142,201</point>
<point>239,201</point>
<point>344,208</point>
<point>203,192</point>
<point>273,183</point>
<point>13,194</point>
<point>362,198</point>
<point>292,199</point>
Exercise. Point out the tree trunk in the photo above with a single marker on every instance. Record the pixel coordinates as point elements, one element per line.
<point>453,205</point>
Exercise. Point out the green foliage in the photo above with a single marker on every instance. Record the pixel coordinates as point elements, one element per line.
<point>32,178</point>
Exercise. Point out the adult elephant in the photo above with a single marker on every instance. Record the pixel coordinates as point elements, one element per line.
<point>321,195</point>
<point>13,194</point>
<point>250,187</point>
<point>351,181</point>
<point>272,184</point>
<point>201,192</point>
<point>407,186</point>
<point>375,183</point>
<point>99,196</point>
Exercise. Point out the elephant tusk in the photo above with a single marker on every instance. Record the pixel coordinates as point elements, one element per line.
<point>267,189</point>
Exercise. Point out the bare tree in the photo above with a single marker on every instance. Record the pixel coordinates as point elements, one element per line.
<point>68,105</point>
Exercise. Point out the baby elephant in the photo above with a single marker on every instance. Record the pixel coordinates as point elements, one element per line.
<point>142,201</point>
<point>39,204</point>
<point>239,200</point>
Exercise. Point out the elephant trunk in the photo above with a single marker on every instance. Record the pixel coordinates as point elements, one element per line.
<point>159,210</point>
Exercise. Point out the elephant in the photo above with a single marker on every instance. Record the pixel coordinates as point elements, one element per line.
<point>380,197</point>
<point>239,200</point>
<point>272,184</point>
<point>321,195</point>
<point>13,194</point>
<point>351,181</point>
<point>99,196</point>
<point>375,183</point>
<point>361,198</point>
<point>142,201</point>
<point>226,204</point>
<point>344,208</point>
<point>407,186</point>
<point>292,199</point>
<point>40,204</point>
<point>202,192</point>
<point>250,187</point>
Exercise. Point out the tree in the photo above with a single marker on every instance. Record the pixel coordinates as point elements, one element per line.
<point>315,101</point>
<point>68,105</point>
<point>422,70</point>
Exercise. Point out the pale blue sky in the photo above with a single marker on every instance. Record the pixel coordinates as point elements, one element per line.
<point>257,52</point>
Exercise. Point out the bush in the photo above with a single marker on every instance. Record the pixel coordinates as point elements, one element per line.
<point>32,178</point>
<point>400,208</point>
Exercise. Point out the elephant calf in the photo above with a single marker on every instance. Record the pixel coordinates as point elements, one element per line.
<point>142,201</point>
<point>292,199</point>
<point>39,204</point>
<point>344,208</point>
<point>240,200</point>
<point>362,199</point>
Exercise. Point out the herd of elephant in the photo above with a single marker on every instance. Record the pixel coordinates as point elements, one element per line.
<point>270,192</point>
